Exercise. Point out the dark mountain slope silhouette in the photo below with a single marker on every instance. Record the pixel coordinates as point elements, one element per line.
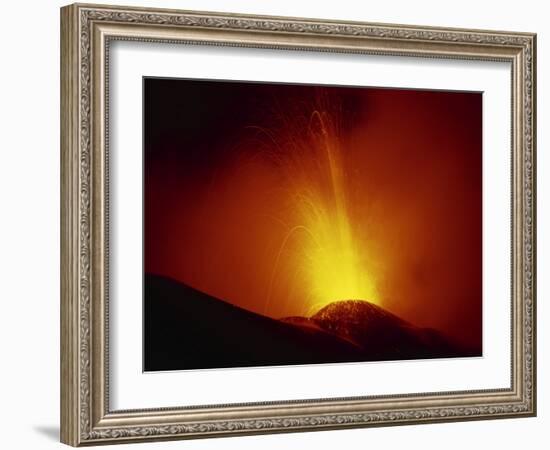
<point>187,329</point>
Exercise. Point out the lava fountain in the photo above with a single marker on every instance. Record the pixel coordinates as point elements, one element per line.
<point>321,245</point>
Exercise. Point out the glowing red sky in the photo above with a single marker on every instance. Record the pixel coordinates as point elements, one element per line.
<point>278,198</point>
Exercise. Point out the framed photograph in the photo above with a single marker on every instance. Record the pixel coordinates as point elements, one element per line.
<point>276,224</point>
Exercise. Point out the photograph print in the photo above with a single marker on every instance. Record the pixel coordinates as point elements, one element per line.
<point>292,224</point>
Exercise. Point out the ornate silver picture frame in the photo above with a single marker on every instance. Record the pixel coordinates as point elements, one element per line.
<point>87,33</point>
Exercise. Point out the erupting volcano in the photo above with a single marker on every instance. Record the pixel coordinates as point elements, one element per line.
<point>295,224</point>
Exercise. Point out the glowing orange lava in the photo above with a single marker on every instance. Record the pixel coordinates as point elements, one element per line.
<point>319,247</point>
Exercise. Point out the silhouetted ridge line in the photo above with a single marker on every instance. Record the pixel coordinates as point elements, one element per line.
<point>188,329</point>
